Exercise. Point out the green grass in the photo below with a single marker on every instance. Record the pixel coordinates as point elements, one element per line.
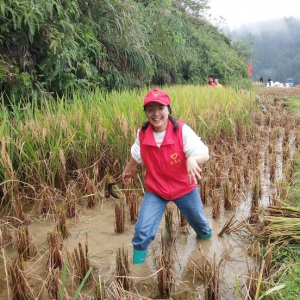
<point>294,104</point>
<point>295,190</point>
<point>291,291</point>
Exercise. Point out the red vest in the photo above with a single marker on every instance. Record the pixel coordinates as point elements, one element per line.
<point>166,173</point>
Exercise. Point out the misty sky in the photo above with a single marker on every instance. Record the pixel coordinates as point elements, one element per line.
<point>239,12</point>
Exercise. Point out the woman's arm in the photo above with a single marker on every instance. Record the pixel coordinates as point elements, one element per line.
<point>196,152</point>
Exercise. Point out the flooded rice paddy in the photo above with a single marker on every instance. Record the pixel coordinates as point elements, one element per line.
<point>247,167</point>
<point>97,227</point>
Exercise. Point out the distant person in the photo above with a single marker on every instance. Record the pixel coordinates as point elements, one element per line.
<point>269,81</point>
<point>211,82</point>
<point>261,79</point>
<point>216,82</point>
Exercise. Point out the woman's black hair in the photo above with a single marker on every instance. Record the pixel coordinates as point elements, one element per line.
<point>173,121</point>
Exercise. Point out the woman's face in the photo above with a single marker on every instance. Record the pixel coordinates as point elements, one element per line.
<point>157,114</point>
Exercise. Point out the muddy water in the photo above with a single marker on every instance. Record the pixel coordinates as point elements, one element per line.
<point>97,225</point>
<point>187,246</point>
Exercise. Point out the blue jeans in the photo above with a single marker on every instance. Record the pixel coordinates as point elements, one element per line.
<point>152,210</point>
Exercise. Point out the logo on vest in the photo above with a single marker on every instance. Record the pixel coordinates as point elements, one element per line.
<point>175,158</point>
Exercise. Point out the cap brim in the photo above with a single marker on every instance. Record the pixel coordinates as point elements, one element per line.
<point>157,101</point>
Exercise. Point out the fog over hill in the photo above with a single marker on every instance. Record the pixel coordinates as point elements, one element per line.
<point>276,48</point>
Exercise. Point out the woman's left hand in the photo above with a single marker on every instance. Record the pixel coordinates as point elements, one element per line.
<point>193,169</point>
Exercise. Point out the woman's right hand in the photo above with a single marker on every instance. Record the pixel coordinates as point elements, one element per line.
<point>126,176</point>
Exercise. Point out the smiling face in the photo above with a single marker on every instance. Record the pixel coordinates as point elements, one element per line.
<point>157,114</point>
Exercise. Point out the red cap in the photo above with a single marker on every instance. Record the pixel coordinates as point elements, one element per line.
<point>157,95</point>
<point>210,79</point>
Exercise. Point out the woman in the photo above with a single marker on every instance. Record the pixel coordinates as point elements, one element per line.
<point>172,153</point>
<point>211,82</point>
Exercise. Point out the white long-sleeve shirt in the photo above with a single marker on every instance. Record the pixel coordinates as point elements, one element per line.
<point>192,144</point>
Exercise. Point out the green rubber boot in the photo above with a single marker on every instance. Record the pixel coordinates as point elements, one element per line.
<point>205,236</point>
<point>139,256</point>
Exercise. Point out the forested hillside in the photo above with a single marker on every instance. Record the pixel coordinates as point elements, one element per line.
<point>51,47</point>
<point>276,48</point>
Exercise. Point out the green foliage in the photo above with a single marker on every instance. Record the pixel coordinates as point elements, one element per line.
<point>288,256</point>
<point>209,54</point>
<point>59,47</point>
<point>292,281</point>
<point>196,7</point>
<point>295,186</point>
<point>243,48</point>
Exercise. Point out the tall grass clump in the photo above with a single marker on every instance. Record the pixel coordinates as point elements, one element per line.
<point>17,280</point>
<point>206,111</point>
<point>55,258</point>
<point>123,271</point>
<point>81,262</point>
<point>209,271</point>
<point>24,244</point>
<point>165,278</point>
